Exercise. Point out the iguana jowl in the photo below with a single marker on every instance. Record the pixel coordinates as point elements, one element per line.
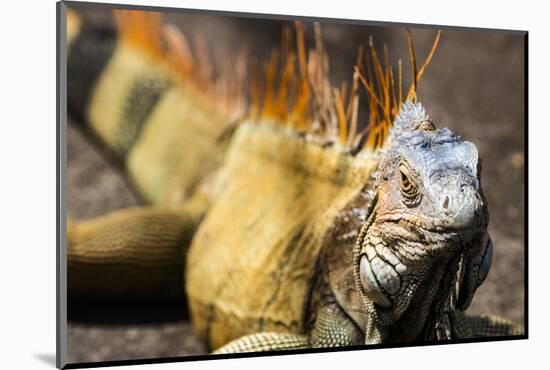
<point>308,235</point>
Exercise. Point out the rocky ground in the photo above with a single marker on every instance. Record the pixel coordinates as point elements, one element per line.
<point>475,86</point>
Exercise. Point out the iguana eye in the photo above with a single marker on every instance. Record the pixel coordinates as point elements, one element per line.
<point>409,188</point>
<point>426,126</point>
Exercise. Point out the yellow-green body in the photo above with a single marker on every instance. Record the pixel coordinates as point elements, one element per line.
<point>252,262</point>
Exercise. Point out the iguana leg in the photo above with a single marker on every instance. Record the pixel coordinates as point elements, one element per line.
<point>131,253</point>
<point>466,326</point>
<point>334,329</point>
<point>267,341</point>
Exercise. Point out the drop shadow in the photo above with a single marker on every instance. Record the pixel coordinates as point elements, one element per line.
<point>47,358</point>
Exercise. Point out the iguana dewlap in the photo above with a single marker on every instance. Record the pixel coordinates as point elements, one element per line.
<point>292,228</point>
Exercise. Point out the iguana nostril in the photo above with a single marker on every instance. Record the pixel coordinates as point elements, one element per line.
<point>446,203</point>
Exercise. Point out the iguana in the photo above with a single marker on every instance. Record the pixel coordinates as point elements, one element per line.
<point>293,227</point>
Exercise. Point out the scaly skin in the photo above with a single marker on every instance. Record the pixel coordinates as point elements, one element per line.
<point>302,244</point>
<point>259,242</point>
<point>134,253</point>
<point>403,259</point>
<point>427,218</point>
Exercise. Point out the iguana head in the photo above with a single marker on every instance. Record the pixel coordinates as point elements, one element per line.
<point>424,248</point>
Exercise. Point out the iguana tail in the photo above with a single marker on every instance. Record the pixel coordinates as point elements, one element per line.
<point>132,83</point>
<point>136,85</point>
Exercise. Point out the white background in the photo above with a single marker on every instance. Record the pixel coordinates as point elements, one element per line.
<point>28,178</point>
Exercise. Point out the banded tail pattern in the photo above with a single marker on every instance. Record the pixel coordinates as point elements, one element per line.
<point>136,84</point>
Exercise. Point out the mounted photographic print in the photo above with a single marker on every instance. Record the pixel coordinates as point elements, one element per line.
<point>232,184</point>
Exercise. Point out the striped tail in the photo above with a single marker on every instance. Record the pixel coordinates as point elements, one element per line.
<point>131,80</point>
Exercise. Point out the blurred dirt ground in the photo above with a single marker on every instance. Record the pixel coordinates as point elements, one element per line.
<point>475,86</point>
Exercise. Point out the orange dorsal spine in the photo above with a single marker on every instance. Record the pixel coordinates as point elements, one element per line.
<point>295,90</point>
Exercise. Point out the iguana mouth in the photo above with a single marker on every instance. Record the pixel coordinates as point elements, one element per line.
<point>427,224</point>
<point>389,264</point>
<point>397,291</point>
<point>406,272</point>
